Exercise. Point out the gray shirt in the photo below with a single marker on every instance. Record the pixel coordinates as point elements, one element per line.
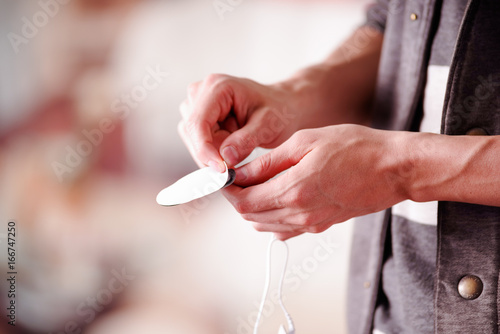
<point>426,296</point>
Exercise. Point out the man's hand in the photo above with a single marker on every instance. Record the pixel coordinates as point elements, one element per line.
<point>226,118</point>
<point>333,174</point>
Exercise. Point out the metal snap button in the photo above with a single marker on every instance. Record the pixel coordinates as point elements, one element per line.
<point>470,287</point>
<point>477,132</point>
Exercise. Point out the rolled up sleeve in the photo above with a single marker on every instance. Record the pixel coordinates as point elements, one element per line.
<point>376,14</point>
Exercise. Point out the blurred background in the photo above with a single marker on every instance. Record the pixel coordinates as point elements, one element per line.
<point>89,96</point>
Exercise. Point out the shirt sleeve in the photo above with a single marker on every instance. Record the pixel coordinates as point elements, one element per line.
<point>376,14</point>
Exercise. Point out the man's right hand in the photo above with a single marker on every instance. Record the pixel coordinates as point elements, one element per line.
<point>225,118</point>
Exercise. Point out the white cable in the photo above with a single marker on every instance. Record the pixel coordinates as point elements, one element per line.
<point>291,328</point>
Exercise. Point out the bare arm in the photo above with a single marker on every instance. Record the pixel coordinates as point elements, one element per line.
<point>450,168</point>
<point>340,89</point>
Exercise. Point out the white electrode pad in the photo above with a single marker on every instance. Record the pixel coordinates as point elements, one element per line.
<point>200,183</point>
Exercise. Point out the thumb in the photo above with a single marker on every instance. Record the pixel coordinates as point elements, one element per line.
<point>258,131</point>
<point>271,164</point>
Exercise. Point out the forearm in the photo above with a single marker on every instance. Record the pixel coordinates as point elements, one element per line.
<point>340,89</point>
<point>450,168</point>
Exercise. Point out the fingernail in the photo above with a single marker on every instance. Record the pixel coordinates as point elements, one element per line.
<point>230,155</point>
<point>219,167</point>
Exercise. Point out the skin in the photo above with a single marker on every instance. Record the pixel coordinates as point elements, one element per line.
<point>336,167</point>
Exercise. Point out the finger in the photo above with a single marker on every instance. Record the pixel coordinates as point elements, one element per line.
<point>186,110</point>
<point>305,221</point>
<point>288,229</point>
<point>262,197</point>
<point>256,132</point>
<point>286,235</point>
<point>284,191</point>
<point>200,136</point>
<point>271,164</point>
<point>243,141</point>
<point>218,137</point>
<point>192,90</point>
<point>281,201</point>
<point>182,133</point>
<point>230,124</point>
<point>209,108</point>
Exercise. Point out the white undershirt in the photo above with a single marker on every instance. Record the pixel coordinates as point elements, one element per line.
<point>437,77</point>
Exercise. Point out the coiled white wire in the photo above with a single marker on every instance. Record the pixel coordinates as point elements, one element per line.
<point>291,328</point>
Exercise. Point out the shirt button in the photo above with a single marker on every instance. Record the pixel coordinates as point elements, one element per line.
<point>470,287</point>
<point>367,284</point>
<point>413,16</point>
<point>477,132</point>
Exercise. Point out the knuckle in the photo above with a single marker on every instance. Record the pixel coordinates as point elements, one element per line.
<point>192,89</point>
<point>295,140</point>
<point>216,79</point>
<point>316,229</point>
<point>295,198</point>
<point>185,109</point>
<point>264,164</point>
<point>303,137</point>
<point>181,129</point>
<point>246,216</point>
<point>259,227</point>
<point>242,207</point>
<point>278,202</point>
<point>305,220</point>
<point>218,87</point>
<point>297,136</point>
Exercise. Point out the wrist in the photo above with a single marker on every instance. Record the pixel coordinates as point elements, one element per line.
<point>414,158</point>
<point>340,89</point>
<point>303,95</point>
<point>397,163</point>
<point>452,168</point>
<point>427,168</point>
